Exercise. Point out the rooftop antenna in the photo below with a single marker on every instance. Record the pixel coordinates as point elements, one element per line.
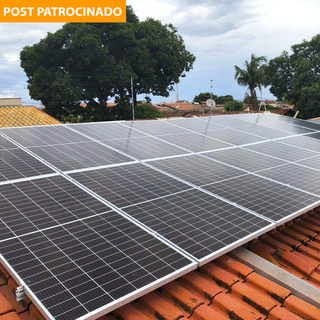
<point>211,104</point>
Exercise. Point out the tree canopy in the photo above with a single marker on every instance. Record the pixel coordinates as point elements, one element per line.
<point>295,77</point>
<point>204,96</point>
<point>94,62</point>
<point>252,76</point>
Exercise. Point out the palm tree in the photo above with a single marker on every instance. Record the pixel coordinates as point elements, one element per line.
<point>252,75</point>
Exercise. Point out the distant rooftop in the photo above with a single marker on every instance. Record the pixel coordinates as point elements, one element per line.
<point>18,116</point>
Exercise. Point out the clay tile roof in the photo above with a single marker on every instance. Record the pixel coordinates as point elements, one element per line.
<point>220,290</point>
<point>24,116</point>
<point>185,106</point>
<point>294,247</point>
<point>10,309</point>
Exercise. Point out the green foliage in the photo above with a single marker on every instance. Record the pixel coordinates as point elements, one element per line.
<point>279,74</point>
<point>94,62</point>
<point>146,111</point>
<point>295,77</point>
<point>203,96</point>
<point>252,76</point>
<point>270,107</point>
<point>122,111</point>
<point>224,99</point>
<point>234,106</point>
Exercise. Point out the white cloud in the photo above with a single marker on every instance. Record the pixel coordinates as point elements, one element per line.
<point>11,57</point>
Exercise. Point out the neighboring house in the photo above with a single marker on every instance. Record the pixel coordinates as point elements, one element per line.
<point>279,104</point>
<point>182,105</point>
<point>24,116</point>
<point>13,102</point>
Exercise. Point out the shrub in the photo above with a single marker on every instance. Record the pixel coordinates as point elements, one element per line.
<point>270,107</point>
<point>146,111</point>
<point>233,106</point>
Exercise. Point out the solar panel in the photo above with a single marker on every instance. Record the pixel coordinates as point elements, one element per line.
<point>195,142</point>
<point>313,162</point>
<point>260,118</point>
<point>303,142</point>
<point>106,130</point>
<point>195,124</point>
<point>145,147</point>
<point>80,155</point>
<point>234,137</point>
<point>6,144</point>
<point>43,135</point>
<point>270,199</point>
<point>245,159</point>
<point>197,222</point>
<point>254,117</point>
<point>301,123</point>
<point>155,128</point>
<point>306,179</point>
<point>132,201</point>
<point>18,164</point>
<point>264,131</point>
<point>42,203</point>
<point>84,266</point>
<point>131,184</point>
<point>314,136</point>
<point>197,169</point>
<point>281,151</point>
<point>287,127</point>
<point>227,121</point>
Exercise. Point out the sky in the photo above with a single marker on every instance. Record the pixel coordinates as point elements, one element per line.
<point>220,33</point>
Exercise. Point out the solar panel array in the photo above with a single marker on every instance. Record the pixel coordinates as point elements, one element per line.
<point>95,215</point>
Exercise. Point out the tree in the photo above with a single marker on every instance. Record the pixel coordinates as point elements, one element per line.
<point>295,77</point>
<point>224,99</point>
<point>147,111</point>
<point>252,75</point>
<point>233,105</point>
<point>204,96</point>
<point>93,62</point>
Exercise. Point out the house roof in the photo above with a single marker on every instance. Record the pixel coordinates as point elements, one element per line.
<point>24,116</point>
<point>294,247</point>
<point>185,105</point>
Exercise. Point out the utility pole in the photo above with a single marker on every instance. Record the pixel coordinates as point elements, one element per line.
<point>177,91</point>
<point>133,118</point>
<point>211,86</point>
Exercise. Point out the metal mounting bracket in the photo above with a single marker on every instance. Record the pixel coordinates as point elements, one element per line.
<point>20,294</point>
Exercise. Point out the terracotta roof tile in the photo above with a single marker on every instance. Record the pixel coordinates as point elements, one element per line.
<point>279,313</point>
<point>220,290</point>
<point>24,116</point>
<point>295,247</point>
<point>10,316</point>
<point>182,297</point>
<point>268,287</point>
<point>198,283</point>
<point>302,308</point>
